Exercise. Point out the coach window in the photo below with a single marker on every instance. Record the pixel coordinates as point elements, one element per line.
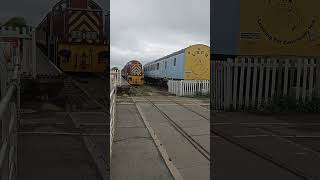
<point>174,62</point>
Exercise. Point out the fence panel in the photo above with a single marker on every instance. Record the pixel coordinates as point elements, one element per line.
<point>188,87</point>
<point>253,82</point>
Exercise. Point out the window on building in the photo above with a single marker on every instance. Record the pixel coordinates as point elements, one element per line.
<point>157,66</point>
<point>174,62</point>
<point>165,65</point>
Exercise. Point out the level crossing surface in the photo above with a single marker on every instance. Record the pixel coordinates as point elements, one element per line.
<point>161,132</point>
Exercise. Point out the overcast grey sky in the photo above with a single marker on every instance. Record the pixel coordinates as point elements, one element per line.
<point>33,10</point>
<point>150,29</point>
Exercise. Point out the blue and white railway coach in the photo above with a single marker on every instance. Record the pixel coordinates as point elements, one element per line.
<point>191,63</point>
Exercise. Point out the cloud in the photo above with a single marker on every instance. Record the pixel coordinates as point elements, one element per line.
<point>146,30</point>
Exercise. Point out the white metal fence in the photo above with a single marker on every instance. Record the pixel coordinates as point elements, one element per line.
<point>115,79</point>
<point>188,87</point>
<point>9,110</point>
<point>244,83</point>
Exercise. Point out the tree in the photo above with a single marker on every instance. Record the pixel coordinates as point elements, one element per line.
<point>114,68</point>
<point>16,22</point>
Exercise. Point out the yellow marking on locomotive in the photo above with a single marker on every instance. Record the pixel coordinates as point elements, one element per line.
<point>81,20</point>
<point>74,15</point>
<point>135,80</point>
<point>136,67</point>
<point>84,58</point>
<point>197,65</point>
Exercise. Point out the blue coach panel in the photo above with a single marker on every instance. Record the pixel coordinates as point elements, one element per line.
<point>175,66</point>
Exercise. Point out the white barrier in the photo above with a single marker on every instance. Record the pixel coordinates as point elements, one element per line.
<point>244,83</point>
<point>188,87</point>
<point>115,79</point>
<point>9,109</point>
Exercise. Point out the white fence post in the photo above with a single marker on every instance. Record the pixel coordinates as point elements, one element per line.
<point>188,87</point>
<point>254,82</point>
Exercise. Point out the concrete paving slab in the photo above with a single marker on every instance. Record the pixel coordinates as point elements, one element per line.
<point>137,159</point>
<point>201,110</point>
<point>127,116</point>
<point>203,173</point>
<point>232,162</point>
<point>179,113</point>
<point>138,99</point>
<point>196,131</point>
<point>204,141</point>
<point>89,117</point>
<point>134,154</point>
<point>181,152</point>
<point>127,133</point>
<point>54,156</point>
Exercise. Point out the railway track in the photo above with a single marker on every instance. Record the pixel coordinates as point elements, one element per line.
<point>80,98</point>
<point>93,131</point>
<point>260,153</point>
<point>190,139</point>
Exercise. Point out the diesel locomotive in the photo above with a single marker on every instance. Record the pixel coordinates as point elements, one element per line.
<point>133,73</point>
<point>74,36</point>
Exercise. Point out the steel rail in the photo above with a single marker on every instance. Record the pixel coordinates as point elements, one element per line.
<point>192,141</point>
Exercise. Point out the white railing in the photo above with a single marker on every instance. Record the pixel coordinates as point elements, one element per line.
<point>9,110</point>
<point>188,87</point>
<point>114,81</point>
<point>253,82</point>
<point>115,77</point>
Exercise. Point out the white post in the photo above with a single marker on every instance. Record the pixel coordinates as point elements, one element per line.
<point>181,88</point>
<point>34,55</point>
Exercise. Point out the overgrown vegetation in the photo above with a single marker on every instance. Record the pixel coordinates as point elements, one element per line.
<point>287,104</point>
<point>199,94</point>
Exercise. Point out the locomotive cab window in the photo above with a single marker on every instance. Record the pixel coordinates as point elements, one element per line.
<point>92,35</point>
<point>76,35</point>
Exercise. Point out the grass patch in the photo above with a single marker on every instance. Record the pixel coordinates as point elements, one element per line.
<point>199,94</point>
